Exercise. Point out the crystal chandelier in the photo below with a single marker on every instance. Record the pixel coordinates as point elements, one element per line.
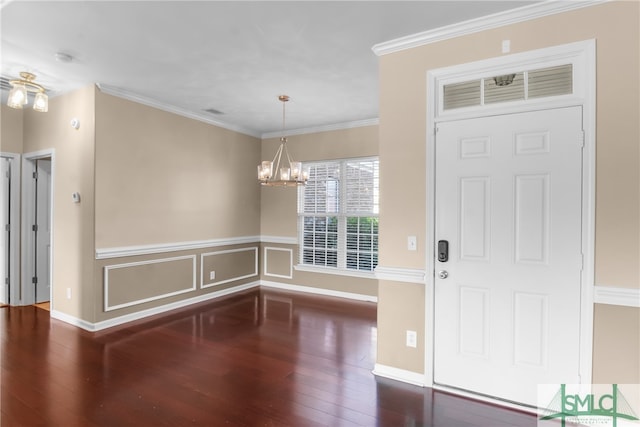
<point>18,95</point>
<point>279,173</point>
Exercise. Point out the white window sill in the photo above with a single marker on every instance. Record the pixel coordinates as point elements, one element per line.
<point>335,271</point>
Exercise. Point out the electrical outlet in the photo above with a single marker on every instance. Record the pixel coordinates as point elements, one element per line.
<point>68,293</point>
<point>212,275</point>
<point>412,339</point>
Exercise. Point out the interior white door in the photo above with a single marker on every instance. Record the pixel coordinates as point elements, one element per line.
<point>43,233</point>
<point>5,190</point>
<point>509,203</point>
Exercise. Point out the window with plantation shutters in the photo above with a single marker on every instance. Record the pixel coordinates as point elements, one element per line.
<point>338,215</point>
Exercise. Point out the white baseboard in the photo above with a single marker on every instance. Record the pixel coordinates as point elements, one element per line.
<point>105,324</point>
<point>318,291</point>
<point>83,324</point>
<point>397,374</point>
<point>94,327</point>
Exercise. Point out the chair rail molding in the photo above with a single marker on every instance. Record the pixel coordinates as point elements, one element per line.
<point>126,251</point>
<point>400,274</point>
<point>626,297</point>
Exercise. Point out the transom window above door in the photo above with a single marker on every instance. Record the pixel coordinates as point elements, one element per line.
<point>517,86</point>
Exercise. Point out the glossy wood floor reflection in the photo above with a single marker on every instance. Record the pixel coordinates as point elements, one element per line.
<point>258,359</point>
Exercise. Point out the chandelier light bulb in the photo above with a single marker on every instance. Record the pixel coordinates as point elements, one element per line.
<point>41,102</point>
<point>17,96</point>
<point>296,170</point>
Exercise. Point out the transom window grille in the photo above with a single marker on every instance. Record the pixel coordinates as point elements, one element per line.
<point>338,214</point>
<point>520,86</point>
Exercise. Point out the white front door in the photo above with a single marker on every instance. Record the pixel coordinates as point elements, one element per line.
<point>509,204</point>
<point>43,233</point>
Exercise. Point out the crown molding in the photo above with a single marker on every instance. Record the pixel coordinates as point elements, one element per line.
<point>130,96</point>
<point>496,20</point>
<point>323,128</point>
<point>121,93</point>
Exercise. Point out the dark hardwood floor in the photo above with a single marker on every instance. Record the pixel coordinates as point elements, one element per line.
<point>262,358</point>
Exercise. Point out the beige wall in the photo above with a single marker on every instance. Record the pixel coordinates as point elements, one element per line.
<point>73,223</point>
<point>11,129</point>
<point>166,179</point>
<point>279,209</point>
<point>402,152</point>
<point>145,177</point>
<point>194,180</point>
<point>616,352</point>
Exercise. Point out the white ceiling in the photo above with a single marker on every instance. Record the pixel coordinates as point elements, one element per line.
<point>233,56</point>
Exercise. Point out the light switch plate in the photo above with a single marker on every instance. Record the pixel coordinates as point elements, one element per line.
<point>412,339</point>
<point>412,243</point>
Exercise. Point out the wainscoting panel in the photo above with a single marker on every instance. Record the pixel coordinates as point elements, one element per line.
<point>278,262</point>
<point>139,282</point>
<point>217,268</point>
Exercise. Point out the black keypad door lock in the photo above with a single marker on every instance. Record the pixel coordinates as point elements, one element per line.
<point>443,251</point>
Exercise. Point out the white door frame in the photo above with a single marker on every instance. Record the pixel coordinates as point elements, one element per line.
<point>28,219</point>
<point>15,294</point>
<point>582,56</point>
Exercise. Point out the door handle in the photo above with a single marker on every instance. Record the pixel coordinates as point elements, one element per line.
<point>443,251</point>
<point>443,274</point>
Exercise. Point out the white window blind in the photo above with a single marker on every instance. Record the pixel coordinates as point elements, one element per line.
<point>362,181</point>
<point>338,214</point>
<point>321,193</point>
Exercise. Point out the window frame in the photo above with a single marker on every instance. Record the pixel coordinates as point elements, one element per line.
<point>342,218</point>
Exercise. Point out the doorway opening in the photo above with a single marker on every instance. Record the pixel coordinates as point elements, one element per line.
<point>37,230</point>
